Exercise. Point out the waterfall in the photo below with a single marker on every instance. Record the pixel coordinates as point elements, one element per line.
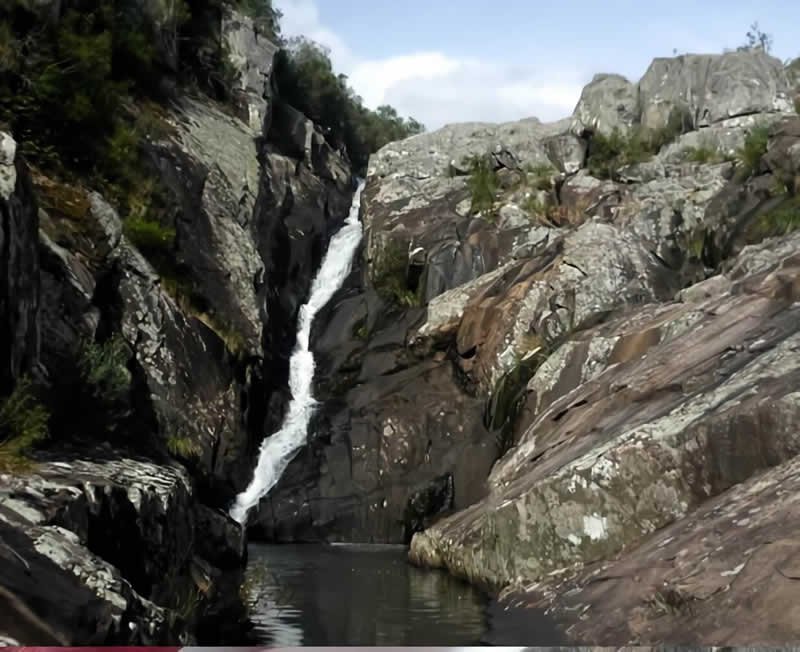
<point>278,450</point>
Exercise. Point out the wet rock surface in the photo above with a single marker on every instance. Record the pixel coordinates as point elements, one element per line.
<point>395,441</point>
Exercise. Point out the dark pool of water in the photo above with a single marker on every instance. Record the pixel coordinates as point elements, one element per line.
<point>370,595</point>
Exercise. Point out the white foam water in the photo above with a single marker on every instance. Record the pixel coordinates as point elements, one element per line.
<point>278,450</point>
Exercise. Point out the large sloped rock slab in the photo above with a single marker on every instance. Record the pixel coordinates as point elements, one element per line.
<point>578,280</point>
<point>713,87</point>
<point>109,534</point>
<point>211,165</point>
<point>252,56</point>
<point>725,575</point>
<point>670,422</point>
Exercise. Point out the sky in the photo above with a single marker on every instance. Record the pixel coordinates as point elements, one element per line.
<point>444,61</point>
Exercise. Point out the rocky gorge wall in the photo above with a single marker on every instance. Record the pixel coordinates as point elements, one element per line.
<point>562,364</point>
<point>122,538</point>
<point>532,389</point>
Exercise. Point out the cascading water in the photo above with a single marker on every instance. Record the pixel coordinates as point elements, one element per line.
<point>278,450</point>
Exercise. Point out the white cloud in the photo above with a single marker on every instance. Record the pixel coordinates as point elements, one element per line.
<point>436,88</point>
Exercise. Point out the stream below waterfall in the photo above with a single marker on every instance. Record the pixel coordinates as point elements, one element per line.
<point>364,595</point>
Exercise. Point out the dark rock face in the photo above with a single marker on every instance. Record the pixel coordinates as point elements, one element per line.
<point>221,539</point>
<point>27,577</point>
<point>117,536</point>
<point>396,441</point>
<point>19,285</point>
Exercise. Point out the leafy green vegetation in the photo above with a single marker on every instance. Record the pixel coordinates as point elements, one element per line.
<point>534,207</point>
<point>482,184</point>
<point>361,331</point>
<point>782,220</point>
<point>104,371</point>
<point>183,447</point>
<point>390,276</point>
<point>92,395</point>
<point>307,81</point>
<point>149,236</point>
<point>63,83</point>
<point>607,154</point>
<point>23,424</point>
<point>749,155</point>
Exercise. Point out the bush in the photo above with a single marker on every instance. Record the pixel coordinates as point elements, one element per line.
<point>390,274</point>
<point>23,424</point>
<point>542,176</point>
<point>607,154</point>
<point>60,90</point>
<point>782,220</point>
<point>749,155</point>
<point>104,370</point>
<point>534,207</point>
<point>482,184</point>
<point>150,237</point>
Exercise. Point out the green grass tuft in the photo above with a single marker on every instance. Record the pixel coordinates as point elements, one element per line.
<point>482,184</point>
<point>23,424</point>
<point>541,176</point>
<point>749,155</point>
<point>149,236</point>
<point>183,447</point>
<point>103,368</point>
<point>607,154</point>
<point>778,222</point>
<point>390,277</point>
<point>703,154</point>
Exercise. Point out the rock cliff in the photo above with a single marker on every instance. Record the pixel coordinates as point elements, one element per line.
<point>159,379</point>
<point>617,344</point>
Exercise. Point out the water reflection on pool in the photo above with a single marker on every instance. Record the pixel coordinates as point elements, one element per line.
<point>370,595</point>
